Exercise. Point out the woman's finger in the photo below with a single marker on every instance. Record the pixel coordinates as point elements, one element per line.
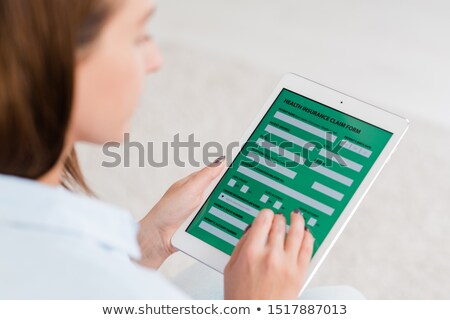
<point>238,248</point>
<point>257,234</point>
<point>305,253</point>
<point>277,233</point>
<point>201,179</point>
<point>295,233</point>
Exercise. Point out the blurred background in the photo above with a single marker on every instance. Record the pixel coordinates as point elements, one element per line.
<point>223,59</point>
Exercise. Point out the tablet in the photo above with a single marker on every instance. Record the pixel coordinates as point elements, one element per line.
<point>311,148</point>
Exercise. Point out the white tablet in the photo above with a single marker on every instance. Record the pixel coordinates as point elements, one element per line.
<point>311,148</point>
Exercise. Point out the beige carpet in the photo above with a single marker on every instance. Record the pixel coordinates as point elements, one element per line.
<point>397,244</point>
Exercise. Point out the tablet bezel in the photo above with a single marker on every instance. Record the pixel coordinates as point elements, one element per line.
<point>386,120</point>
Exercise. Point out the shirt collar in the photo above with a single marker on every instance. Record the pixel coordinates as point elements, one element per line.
<point>27,202</point>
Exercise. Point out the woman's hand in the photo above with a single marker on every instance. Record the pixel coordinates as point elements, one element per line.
<point>268,264</point>
<point>159,225</point>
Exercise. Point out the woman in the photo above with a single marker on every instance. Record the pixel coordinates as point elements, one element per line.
<point>72,71</point>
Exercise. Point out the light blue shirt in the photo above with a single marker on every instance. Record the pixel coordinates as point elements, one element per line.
<point>55,244</point>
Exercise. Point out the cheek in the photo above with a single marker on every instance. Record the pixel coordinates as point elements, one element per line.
<point>107,91</point>
<point>123,85</point>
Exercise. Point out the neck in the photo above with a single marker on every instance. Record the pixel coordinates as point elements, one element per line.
<point>53,177</point>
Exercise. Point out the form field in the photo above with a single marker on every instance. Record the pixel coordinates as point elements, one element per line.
<point>238,204</point>
<point>228,218</point>
<point>334,157</point>
<point>356,149</point>
<point>289,137</point>
<point>312,222</point>
<point>280,151</point>
<point>271,165</point>
<point>232,182</point>
<point>286,190</point>
<point>277,205</point>
<point>305,126</point>
<point>264,198</point>
<point>244,189</point>
<point>218,233</point>
<point>327,191</point>
<point>332,174</point>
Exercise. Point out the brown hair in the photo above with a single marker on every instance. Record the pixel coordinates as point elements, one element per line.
<point>39,41</point>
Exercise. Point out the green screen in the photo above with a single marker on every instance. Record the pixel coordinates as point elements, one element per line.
<point>303,155</point>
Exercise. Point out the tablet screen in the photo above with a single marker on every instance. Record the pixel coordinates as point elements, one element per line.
<point>303,155</point>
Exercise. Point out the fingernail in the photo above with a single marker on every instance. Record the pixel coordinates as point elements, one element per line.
<point>218,161</point>
<point>297,211</point>
<point>248,227</point>
<point>265,214</point>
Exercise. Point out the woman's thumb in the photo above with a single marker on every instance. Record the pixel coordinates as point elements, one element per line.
<point>206,175</point>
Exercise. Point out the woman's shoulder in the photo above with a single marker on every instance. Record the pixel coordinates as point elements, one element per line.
<point>58,245</point>
<point>50,266</point>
